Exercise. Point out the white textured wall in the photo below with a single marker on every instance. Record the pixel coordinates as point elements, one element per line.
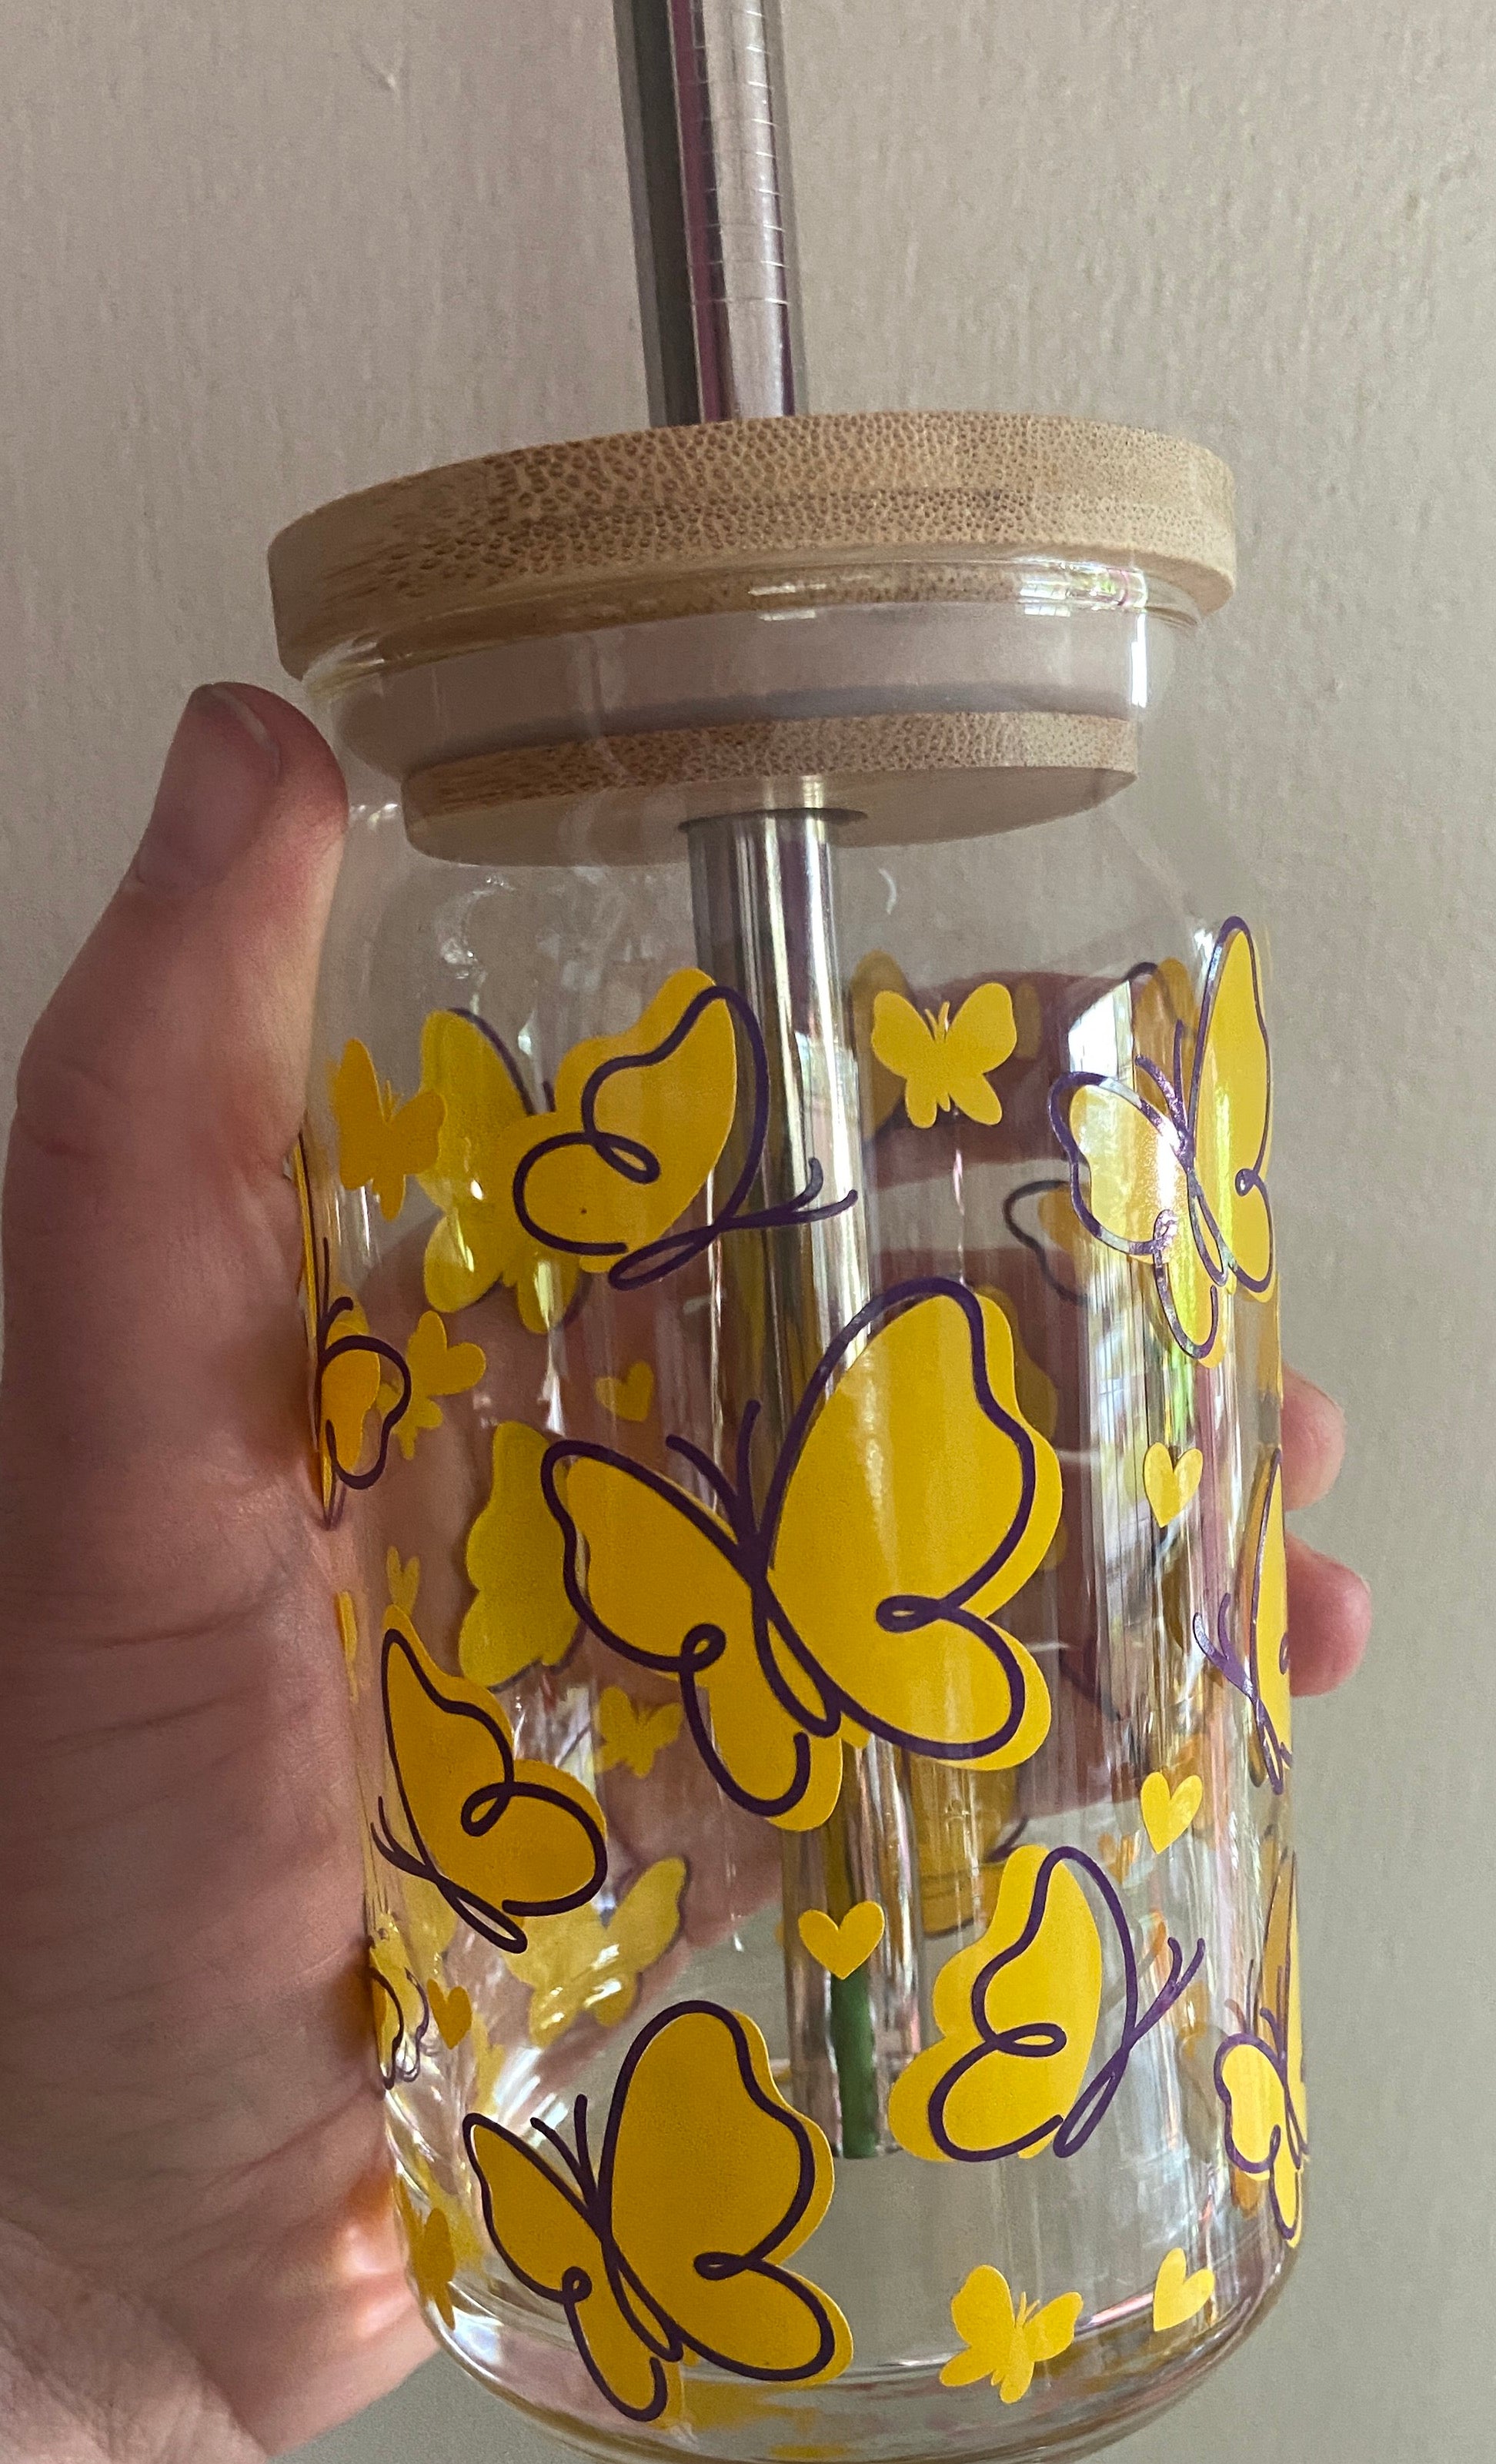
<point>257,255</point>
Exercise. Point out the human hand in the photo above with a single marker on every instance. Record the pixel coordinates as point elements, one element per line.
<point>189,2115</point>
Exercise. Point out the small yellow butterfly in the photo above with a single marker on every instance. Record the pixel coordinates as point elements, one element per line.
<point>577,1964</point>
<point>944,1061</point>
<point>515,1563</point>
<point>403,1582</point>
<point>436,1367</point>
<point>634,1732</point>
<point>1004,2345</point>
<point>381,1140</point>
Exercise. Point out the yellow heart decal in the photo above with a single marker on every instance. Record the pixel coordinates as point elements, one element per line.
<point>843,1948</point>
<point>629,1398</point>
<point>1168,1812</point>
<point>452,2012</point>
<point>1178,2295</point>
<point>1170,1485</point>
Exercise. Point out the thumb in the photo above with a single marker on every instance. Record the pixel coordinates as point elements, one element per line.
<point>149,1232</point>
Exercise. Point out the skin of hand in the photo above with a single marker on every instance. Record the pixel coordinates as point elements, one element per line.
<point>189,2119</point>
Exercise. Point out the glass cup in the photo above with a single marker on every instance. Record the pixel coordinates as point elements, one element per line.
<point>790,1283</point>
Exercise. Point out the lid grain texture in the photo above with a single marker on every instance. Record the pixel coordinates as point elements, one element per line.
<point>740,513</point>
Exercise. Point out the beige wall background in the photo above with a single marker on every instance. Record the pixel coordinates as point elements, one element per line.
<point>257,255</point>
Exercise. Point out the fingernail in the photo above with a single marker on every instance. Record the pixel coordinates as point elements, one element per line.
<point>219,777</point>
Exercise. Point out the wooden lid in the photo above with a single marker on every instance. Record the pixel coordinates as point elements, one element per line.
<point>842,507</point>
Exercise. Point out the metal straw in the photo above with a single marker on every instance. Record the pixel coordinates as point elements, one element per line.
<point>702,86</point>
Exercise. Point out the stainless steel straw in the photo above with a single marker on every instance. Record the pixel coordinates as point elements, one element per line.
<point>702,86</point>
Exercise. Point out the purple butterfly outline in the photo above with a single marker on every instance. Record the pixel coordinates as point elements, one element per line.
<point>1269,2038</point>
<point>1038,1247</point>
<point>1041,2040</point>
<point>325,1308</point>
<point>588,2190</point>
<point>482,1809</point>
<point>637,1164</point>
<point>405,2053</point>
<point>1241,1673</point>
<point>748,1547</point>
<point>1172,1118</point>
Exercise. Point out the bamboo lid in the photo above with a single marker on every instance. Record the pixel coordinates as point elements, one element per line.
<point>836,508</point>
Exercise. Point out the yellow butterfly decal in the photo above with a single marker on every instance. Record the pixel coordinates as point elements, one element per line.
<point>578,1964</point>
<point>1004,2345</point>
<point>501,1840</point>
<point>479,1240</point>
<point>350,1367</point>
<point>633,1733</point>
<point>437,1368</point>
<point>911,1499</point>
<point>943,1061</point>
<point>1019,2013</point>
<point>1250,1646</point>
<point>515,1565</point>
<point>380,1140</point>
<point>402,2012</point>
<point>669,2239</point>
<point>403,1582</point>
<point>638,1122</point>
<point>1260,2074</point>
<point>1171,1168</point>
<point>636,1127</point>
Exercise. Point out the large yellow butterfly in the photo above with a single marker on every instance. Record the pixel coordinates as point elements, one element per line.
<point>1004,2344</point>
<point>528,1198</point>
<point>380,1139</point>
<point>909,1500</point>
<point>1170,1169</point>
<point>944,1061</point>
<point>1019,2013</point>
<point>635,1131</point>
<point>670,2238</point>
<point>500,1839</point>
<point>1260,2075</point>
<point>1254,1658</point>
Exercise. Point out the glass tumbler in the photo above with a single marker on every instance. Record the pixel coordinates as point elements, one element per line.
<point>795,1382</point>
